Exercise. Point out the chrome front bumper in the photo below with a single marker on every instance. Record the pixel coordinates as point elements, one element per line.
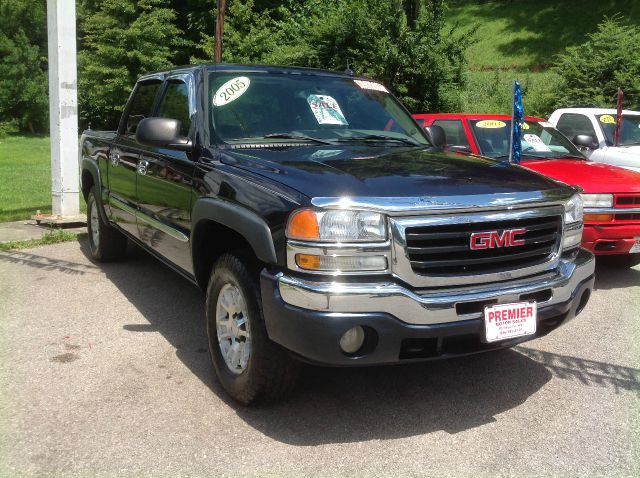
<point>437,306</point>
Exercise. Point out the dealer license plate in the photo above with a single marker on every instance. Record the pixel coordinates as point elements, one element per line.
<point>506,321</point>
<point>636,246</point>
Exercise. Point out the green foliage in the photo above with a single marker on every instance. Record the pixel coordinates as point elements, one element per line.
<point>595,70</point>
<point>490,92</point>
<point>53,236</point>
<point>23,81</point>
<point>121,40</point>
<point>396,42</point>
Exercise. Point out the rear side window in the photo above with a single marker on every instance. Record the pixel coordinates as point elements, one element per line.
<point>573,124</point>
<point>454,132</point>
<point>175,105</point>
<point>141,105</point>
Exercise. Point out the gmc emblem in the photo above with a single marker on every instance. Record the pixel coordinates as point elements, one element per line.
<point>493,239</point>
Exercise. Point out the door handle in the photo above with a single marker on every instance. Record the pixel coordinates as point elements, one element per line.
<point>142,167</point>
<point>114,158</point>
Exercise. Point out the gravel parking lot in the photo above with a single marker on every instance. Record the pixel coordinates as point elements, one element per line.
<point>104,371</point>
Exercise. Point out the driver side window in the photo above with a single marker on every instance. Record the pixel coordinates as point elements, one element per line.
<point>573,124</point>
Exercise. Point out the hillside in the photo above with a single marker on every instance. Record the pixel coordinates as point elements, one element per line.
<point>517,39</point>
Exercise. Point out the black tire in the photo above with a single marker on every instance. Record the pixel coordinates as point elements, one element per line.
<point>108,244</point>
<point>620,260</point>
<point>269,373</point>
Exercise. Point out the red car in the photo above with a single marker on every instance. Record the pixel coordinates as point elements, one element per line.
<point>611,194</point>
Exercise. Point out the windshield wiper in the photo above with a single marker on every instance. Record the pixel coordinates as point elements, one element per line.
<point>295,136</point>
<point>380,137</point>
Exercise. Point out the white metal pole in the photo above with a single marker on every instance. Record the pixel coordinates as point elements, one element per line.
<point>63,107</point>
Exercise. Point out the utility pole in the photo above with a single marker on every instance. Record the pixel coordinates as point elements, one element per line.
<point>217,49</point>
<point>63,109</point>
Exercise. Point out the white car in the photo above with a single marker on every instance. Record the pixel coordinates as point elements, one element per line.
<point>599,123</point>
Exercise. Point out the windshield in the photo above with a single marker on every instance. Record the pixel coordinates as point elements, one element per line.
<point>538,141</point>
<point>629,128</point>
<point>278,107</point>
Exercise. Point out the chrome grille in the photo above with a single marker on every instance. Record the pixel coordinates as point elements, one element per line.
<point>445,250</point>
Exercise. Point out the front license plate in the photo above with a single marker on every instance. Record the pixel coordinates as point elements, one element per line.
<point>506,321</point>
<point>636,246</point>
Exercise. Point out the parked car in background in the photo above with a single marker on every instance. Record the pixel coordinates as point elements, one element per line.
<point>611,194</point>
<point>578,124</point>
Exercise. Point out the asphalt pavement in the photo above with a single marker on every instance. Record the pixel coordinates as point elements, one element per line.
<point>104,371</point>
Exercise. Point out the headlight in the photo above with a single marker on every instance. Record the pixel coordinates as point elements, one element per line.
<point>337,226</point>
<point>597,200</point>
<point>573,210</point>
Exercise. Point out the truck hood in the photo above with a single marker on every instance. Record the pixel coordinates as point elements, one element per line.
<point>591,177</point>
<point>379,171</point>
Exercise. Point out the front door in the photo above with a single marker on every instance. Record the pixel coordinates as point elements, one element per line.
<point>164,182</point>
<point>125,155</point>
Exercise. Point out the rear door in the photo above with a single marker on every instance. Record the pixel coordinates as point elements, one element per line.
<point>164,180</point>
<point>125,154</point>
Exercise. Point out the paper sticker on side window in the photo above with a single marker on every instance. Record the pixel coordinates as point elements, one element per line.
<point>326,110</point>
<point>231,90</point>
<point>536,143</point>
<point>370,85</point>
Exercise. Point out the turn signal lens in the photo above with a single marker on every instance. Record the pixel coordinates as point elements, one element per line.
<point>308,261</point>
<point>598,217</point>
<point>303,224</point>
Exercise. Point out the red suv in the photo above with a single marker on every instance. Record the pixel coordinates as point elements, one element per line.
<point>611,194</point>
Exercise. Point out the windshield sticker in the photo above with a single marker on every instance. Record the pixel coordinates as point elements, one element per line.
<point>544,124</point>
<point>491,124</point>
<point>525,125</point>
<point>231,90</point>
<point>326,110</point>
<point>607,119</point>
<point>536,143</point>
<point>326,153</point>
<point>371,85</point>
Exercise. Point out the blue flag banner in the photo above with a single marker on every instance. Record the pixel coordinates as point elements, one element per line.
<point>516,125</point>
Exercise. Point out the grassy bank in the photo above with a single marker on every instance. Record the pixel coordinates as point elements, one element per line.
<point>519,39</point>
<point>25,177</point>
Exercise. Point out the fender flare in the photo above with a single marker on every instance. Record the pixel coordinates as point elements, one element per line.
<point>90,165</point>
<point>239,219</point>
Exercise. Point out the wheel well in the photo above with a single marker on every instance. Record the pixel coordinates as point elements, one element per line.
<point>210,240</point>
<point>87,183</point>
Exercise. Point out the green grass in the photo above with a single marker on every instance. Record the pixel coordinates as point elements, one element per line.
<point>53,236</point>
<point>519,40</point>
<point>25,177</point>
<point>526,35</point>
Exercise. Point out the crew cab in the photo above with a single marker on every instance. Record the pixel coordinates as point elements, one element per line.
<point>611,195</point>
<point>591,129</point>
<point>325,227</point>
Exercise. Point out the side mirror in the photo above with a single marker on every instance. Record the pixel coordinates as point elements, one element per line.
<point>585,141</point>
<point>436,135</point>
<point>162,133</point>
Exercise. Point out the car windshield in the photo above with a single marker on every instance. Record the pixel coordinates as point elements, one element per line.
<point>539,140</point>
<point>629,128</point>
<point>264,107</point>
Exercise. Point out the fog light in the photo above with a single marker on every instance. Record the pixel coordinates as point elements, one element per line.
<point>352,340</point>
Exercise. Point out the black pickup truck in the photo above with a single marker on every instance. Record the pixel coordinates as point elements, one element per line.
<point>326,226</point>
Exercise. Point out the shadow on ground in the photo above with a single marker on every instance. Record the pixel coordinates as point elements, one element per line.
<point>351,405</point>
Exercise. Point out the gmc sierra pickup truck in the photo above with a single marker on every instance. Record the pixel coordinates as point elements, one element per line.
<point>326,226</point>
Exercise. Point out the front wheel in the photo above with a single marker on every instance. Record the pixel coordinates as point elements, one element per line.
<point>620,260</point>
<point>250,367</point>
<point>106,243</point>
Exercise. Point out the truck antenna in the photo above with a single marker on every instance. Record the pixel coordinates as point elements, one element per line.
<point>348,71</point>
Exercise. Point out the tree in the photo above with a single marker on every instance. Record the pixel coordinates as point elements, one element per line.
<point>595,70</point>
<point>121,39</point>
<point>401,43</point>
<point>23,78</point>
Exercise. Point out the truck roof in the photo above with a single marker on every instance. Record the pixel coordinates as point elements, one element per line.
<point>247,69</point>
<point>596,111</point>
